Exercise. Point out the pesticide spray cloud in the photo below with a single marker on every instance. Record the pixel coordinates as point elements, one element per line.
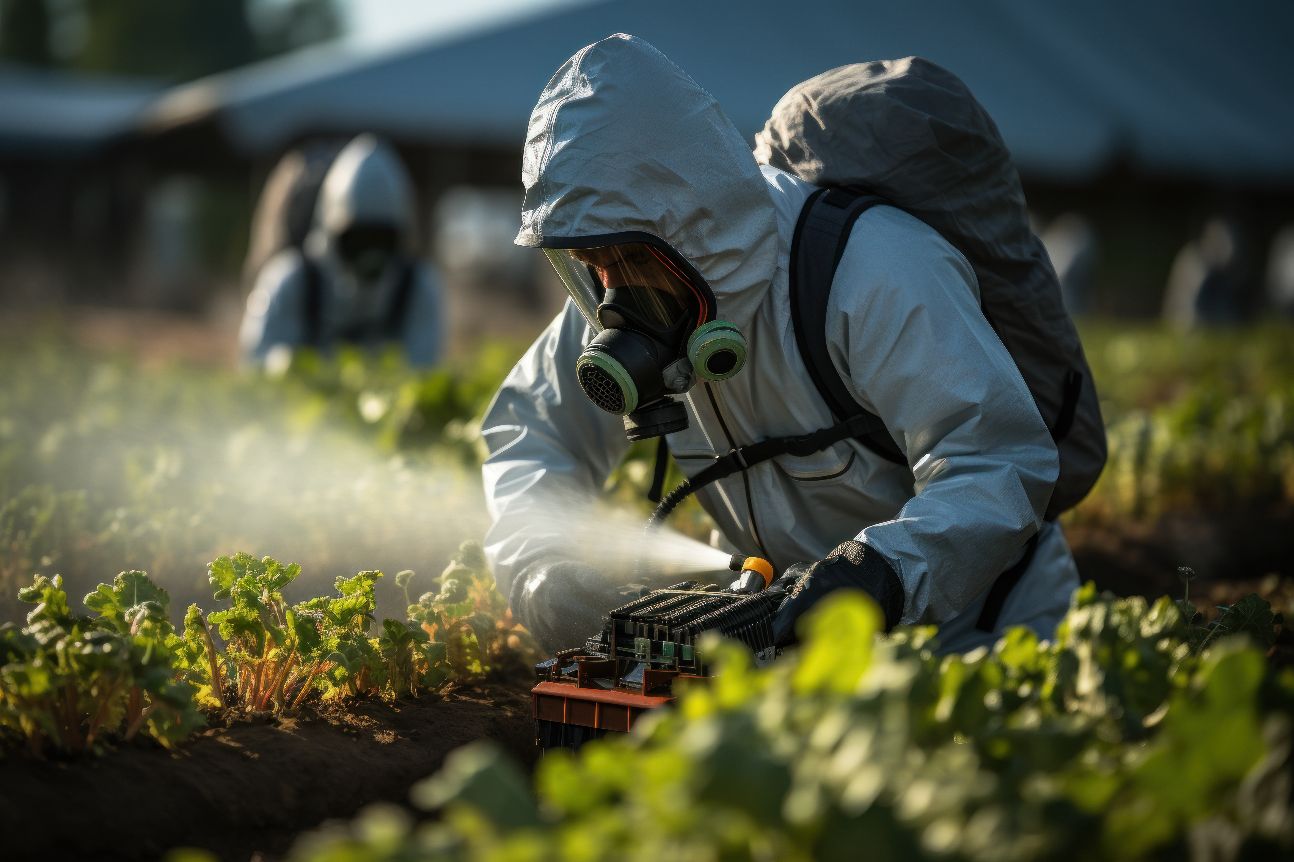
<point>616,543</point>
<point>164,469</point>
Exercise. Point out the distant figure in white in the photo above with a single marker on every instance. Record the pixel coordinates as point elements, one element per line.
<point>1072,245</point>
<point>1280,272</point>
<point>1207,282</point>
<point>355,280</point>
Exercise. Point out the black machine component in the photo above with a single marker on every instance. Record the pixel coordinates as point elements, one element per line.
<point>646,645</point>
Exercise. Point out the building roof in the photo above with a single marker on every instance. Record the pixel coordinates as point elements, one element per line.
<point>1166,87</point>
<point>55,114</point>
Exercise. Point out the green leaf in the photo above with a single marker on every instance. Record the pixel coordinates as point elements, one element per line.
<point>479,776</point>
<point>838,635</point>
<point>50,600</point>
<point>128,590</point>
<point>1250,616</point>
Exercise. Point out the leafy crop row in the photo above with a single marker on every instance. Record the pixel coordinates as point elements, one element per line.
<point>68,681</point>
<point>71,683</point>
<point>348,463</point>
<point>1202,422</point>
<point>1132,734</point>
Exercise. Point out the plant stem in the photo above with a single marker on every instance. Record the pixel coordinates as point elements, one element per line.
<point>134,710</point>
<point>138,721</point>
<point>217,684</point>
<point>100,714</point>
<point>255,693</point>
<point>277,680</point>
<point>72,739</point>
<point>305,687</point>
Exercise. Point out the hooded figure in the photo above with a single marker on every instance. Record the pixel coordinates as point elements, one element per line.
<point>650,204</point>
<point>356,281</point>
<point>284,212</point>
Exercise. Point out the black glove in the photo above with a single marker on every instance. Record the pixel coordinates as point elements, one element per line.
<point>562,603</point>
<point>852,565</point>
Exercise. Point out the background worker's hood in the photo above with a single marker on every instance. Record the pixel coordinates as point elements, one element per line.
<point>623,140</point>
<point>366,184</point>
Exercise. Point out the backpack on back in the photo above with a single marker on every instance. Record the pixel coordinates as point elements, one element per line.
<point>909,134</point>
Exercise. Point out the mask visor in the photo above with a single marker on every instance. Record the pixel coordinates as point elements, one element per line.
<point>579,282</point>
<point>638,283</point>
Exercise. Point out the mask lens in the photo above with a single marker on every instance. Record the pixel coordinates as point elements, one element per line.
<point>366,249</point>
<point>638,281</point>
<point>580,284</point>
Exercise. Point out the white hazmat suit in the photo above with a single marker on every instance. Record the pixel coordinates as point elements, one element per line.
<point>316,298</point>
<point>622,140</point>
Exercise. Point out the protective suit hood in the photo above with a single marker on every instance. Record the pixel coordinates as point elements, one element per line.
<point>366,184</point>
<point>623,141</point>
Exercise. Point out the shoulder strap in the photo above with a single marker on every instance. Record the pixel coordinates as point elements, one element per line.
<point>313,302</point>
<point>396,315</point>
<point>744,457</point>
<point>821,235</point>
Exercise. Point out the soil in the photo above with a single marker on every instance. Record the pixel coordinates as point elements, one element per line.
<point>245,791</point>
<point>1130,558</point>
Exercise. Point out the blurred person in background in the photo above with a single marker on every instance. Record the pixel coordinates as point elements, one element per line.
<point>1208,282</point>
<point>1072,246</point>
<point>285,211</point>
<point>1280,272</point>
<point>356,280</point>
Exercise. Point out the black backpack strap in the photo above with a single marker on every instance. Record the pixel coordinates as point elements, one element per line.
<point>821,235</point>
<point>396,314</point>
<point>312,302</point>
<point>1002,587</point>
<point>745,457</point>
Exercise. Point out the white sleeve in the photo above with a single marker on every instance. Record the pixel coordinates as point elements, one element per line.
<point>905,321</point>
<point>275,311</point>
<point>549,447</point>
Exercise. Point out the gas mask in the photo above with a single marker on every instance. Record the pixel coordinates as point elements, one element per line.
<point>656,332</point>
<point>367,252</point>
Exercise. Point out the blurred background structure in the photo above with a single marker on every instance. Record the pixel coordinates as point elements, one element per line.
<point>136,136</point>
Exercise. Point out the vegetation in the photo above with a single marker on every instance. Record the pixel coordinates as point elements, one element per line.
<point>348,464</point>
<point>1133,734</point>
<point>72,684</point>
<point>1142,730</point>
<point>68,682</point>
<point>1202,422</point>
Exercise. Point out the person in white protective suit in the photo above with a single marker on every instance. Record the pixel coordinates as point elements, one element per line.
<point>674,246</point>
<point>356,281</point>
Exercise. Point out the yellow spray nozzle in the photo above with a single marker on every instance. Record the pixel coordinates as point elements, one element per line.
<point>760,565</point>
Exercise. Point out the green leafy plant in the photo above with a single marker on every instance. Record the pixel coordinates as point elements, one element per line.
<point>71,682</point>
<point>471,620</point>
<point>274,651</point>
<point>1116,739</point>
<point>274,655</point>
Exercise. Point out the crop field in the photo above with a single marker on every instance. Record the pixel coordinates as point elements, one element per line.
<point>250,615</point>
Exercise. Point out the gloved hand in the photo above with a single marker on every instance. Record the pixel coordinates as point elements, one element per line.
<point>852,565</point>
<point>562,603</point>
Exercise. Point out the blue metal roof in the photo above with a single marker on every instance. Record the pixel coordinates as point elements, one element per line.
<point>1170,87</point>
<point>57,114</point>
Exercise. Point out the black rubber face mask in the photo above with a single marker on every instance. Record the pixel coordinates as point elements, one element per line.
<point>367,250</point>
<point>655,332</point>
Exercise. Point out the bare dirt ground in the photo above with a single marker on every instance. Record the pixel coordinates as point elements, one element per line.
<point>1143,559</point>
<point>245,791</point>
